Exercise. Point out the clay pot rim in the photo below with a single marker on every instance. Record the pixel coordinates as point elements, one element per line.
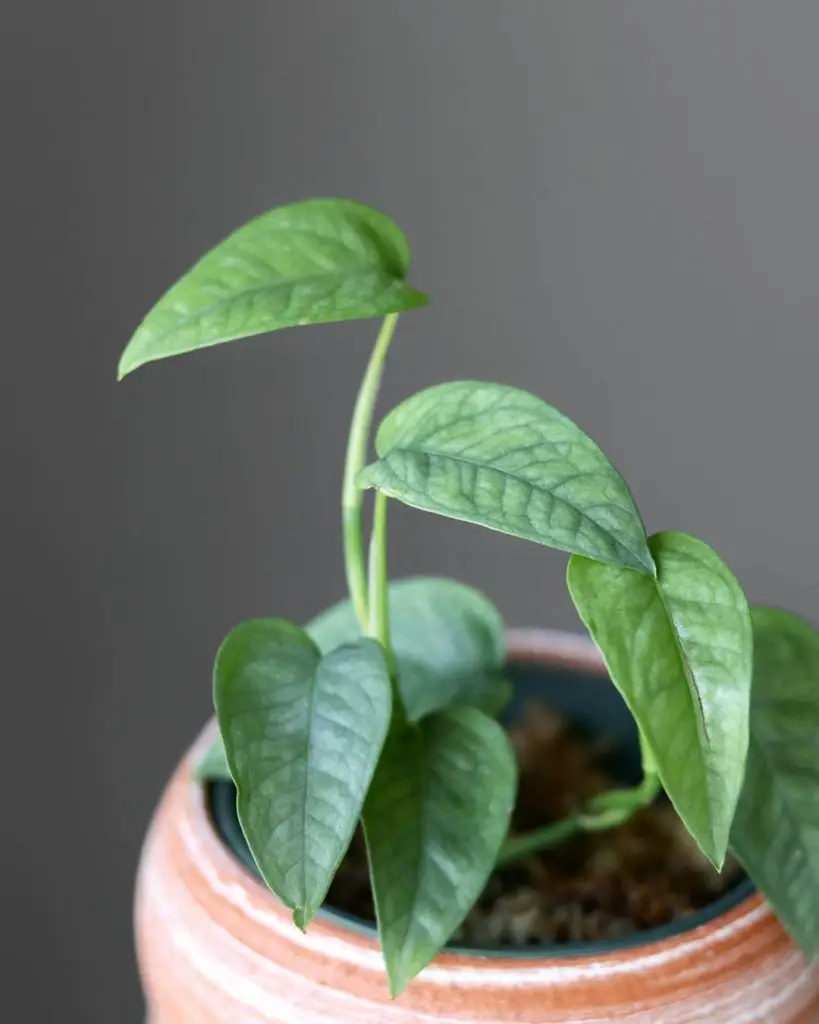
<point>525,645</point>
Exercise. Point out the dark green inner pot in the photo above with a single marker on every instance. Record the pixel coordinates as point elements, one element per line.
<point>593,705</point>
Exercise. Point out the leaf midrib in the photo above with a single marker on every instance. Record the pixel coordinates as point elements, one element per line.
<point>688,671</point>
<point>307,777</point>
<point>422,835</point>
<point>694,696</point>
<point>285,282</point>
<point>513,476</point>
<point>423,830</point>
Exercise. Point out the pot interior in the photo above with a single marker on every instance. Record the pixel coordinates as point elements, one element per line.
<point>589,701</point>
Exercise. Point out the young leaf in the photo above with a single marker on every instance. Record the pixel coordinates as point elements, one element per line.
<point>504,459</point>
<point>213,766</point>
<point>302,735</point>
<point>776,830</point>
<point>679,650</point>
<point>448,641</point>
<point>313,262</point>
<point>435,819</point>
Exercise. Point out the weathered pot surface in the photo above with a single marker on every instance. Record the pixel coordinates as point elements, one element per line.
<point>215,946</point>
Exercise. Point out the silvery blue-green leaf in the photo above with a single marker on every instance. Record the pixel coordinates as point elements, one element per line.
<point>450,648</point>
<point>680,651</point>
<point>303,734</point>
<point>436,816</point>
<point>502,458</point>
<point>312,262</point>
<point>448,640</point>
<point>776,830</point>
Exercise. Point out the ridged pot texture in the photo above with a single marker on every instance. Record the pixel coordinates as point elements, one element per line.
<point>215,947</point>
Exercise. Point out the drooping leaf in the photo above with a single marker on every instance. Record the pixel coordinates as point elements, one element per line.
<point>303,734</point>
<point>680,651</point>
<point>776,830</point>
<point>213,766</point>
<point>448,640</point>
<point>312,262</point>
<point>435,819</point>
<point>504,459</point>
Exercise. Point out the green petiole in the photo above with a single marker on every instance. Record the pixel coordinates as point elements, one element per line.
<point>352,496</point>
<point>601,813</point>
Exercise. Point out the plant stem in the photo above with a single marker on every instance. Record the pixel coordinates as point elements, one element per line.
<point>618,805</point>
<point>601,813</point>
<point>352,497</point>
<point>378,626</point>
<point>545,838</point>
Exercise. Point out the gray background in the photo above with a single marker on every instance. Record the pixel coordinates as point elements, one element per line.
<point>613,204</point>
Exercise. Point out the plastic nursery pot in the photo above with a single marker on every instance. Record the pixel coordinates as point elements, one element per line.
<point>215,946</point>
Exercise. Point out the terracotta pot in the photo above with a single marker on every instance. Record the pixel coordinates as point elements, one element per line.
<point>215,946</point>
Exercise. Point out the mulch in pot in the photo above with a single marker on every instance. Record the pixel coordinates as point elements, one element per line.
<point>601,886</point>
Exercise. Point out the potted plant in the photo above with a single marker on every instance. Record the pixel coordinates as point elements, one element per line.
<point>405,812</point>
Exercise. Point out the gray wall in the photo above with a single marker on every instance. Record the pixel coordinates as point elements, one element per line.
<point>613,204</point>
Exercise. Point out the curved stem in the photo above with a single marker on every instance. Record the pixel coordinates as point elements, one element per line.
<point>615,807</point>
<point>352,497</point>
<point>378,625</point>
<point>601,813</point>
<point>545,838</point>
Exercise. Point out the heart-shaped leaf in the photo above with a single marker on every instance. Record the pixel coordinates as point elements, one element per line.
<point>776,830</point>
<point>448,641</point>
<point>504,459</point>
<point>680,650</point>
<point>303,735</point>
<point>450,649</point>
<point>312,262</point>
<point>436,816</point>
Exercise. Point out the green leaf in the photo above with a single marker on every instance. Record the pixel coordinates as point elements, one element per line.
<point>436,816</point>
<point>303,735</point>
<point>448,640</point>
<point>504,459</point>
<point>776,830</point>
<point>213,766</point>
<point>313,262</point>
<point>680,650</point>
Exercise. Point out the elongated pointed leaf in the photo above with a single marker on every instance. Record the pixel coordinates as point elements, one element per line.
<point>776,829</point>
<point>504,459</point>
<point>303,735</point>
<point>679,649</point>
<point>312,262</point>
<point>435,819</point>
<point>448,640</point>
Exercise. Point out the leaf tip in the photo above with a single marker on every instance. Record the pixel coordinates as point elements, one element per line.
<point>403,967</point>
<point>401,976</point>
<point>127,364</point>
<point>714,847</point>
<point>718,839</point>
<point>302,916</point>
<point>398,982</point>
